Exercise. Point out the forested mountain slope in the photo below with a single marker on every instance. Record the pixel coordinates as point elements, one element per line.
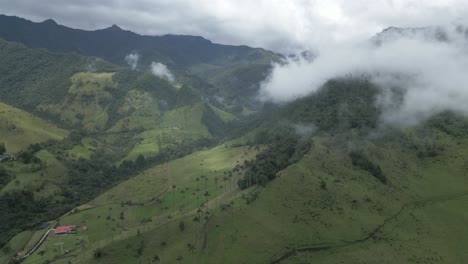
<point>79,124</point>
<point>235,71</point>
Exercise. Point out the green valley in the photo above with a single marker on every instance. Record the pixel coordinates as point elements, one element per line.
<point>117,147</point>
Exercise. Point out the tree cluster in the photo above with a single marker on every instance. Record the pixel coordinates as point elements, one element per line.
<point>361,161</point>
<point>285,148</point>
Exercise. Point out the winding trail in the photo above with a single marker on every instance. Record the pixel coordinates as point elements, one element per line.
<point>36,246</point>
<point>324,247</point>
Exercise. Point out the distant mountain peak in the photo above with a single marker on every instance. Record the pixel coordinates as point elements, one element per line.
<point>430,33</point>
<point>50,22</point>
<point>114,27</point>
<point>306,55</point>
<point>390,28</point>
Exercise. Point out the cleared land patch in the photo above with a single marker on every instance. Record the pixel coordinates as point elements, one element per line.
<point>20,129</point>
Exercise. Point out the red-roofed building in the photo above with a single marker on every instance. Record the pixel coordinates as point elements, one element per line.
<point>61,230</point>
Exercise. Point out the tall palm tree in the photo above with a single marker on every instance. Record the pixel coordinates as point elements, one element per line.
<point>190,247</point>
<point>155,259</point>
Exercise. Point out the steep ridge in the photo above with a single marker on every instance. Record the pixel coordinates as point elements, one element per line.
<point>228,68</point>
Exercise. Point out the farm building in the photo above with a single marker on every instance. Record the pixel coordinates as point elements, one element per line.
<point>63,230</point>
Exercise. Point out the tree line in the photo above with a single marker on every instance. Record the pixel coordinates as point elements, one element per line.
<point>285,147</point>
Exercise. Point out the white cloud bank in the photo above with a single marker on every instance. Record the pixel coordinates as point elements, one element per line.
<point>161,70</point>
<point>432,73</point>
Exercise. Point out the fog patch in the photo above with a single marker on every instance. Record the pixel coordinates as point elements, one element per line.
<point>419,76</point>
<point>163,105</point>
<point>305,130</point>
<point>132,60</point>
<point>161,70</point>
<point>91,67</point>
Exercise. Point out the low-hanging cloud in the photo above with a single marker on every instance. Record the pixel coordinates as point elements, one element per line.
<point>132,60</point>
<point>431,72</point>
<point>305,130</point>
<point>161,70</point>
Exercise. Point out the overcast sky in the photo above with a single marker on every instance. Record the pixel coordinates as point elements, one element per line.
<point>280,25</point>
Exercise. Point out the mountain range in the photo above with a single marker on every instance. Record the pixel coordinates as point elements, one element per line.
<point>194,169</point>
<point>235,70</point>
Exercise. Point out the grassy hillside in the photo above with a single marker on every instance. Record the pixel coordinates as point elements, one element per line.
<point>428,233</point>
<point>44,179</point>
<point>20,129</point>
<point>98,101</point>
<point>86,103</point>
<point>114,115</point>
<point>325,202</point>
<point>153,198</point>
<point>137,110</point>
<point>329,184</point>
<point>140,111</point>
<point>325,208</point>
<point>182,124</point>
<point>86,93</point>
